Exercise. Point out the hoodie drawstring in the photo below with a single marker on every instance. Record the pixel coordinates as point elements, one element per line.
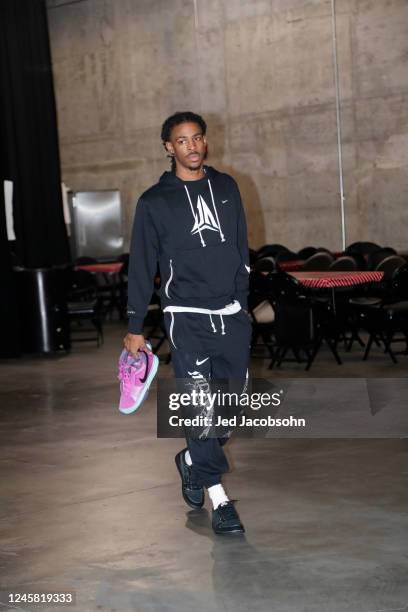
<point>210,314</point>
<point>215,211</point>
<point>222,325</point>
<point>212,324</point>
<point>166,289</point>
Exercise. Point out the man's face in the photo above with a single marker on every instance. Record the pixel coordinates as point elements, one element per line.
<point>188,145</point>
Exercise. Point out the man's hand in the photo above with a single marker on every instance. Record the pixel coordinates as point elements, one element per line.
<point>134,343</point>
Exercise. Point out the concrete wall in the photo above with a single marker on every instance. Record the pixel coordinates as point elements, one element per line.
<point>261,73</point>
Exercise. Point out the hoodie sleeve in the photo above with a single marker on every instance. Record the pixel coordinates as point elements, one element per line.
<point>142,267</point>
<point>242,276</point>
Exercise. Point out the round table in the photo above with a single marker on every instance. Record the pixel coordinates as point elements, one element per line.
<point>331,279</point>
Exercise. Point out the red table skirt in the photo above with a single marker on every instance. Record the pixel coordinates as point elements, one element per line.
<point>328,279</point>
<point>105,268</point>
<point>290,266</point>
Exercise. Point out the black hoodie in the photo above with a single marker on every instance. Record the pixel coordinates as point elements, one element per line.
<point>197,232</point>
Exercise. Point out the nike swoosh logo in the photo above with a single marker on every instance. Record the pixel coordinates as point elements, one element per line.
<point>143,380</point>
<point>248,269</point>
<point>224,201</point>
<point>202,361</point>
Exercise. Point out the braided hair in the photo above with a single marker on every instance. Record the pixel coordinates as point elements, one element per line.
<point>176,119</point>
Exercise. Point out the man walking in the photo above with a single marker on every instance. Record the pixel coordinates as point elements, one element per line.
<point>192,221</point>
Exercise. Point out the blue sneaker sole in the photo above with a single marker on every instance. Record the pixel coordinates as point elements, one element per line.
<point>149,381</point>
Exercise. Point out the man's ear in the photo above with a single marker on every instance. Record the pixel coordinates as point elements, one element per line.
<point>169,148</point>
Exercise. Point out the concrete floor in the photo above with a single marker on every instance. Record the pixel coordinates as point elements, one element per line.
<point>91,503</point>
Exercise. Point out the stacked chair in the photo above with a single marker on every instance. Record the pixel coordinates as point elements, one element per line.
<point>307,252</point>
<point>386,315</point>
<point>362,247</point>
<point>302,323</point>
<point>293,320</point>
<point>375,258</point>
<point>284,256</point>
<point>270,250</point>
<point>261,310</point>
<point>344,264</point>
<point>84,305</point>
<point>318,262</point>
<point>390,265</point>
<point>111,293</point>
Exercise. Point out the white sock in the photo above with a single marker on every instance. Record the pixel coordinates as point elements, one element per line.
<point>188,458</point>
<point>217,495</point>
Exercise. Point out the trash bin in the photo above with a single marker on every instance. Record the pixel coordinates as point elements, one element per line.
<point>42,299</point>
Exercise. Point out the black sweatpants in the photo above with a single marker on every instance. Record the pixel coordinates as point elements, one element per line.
<point>196,349</point>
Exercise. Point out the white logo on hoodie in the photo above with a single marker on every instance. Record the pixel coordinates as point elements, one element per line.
<point>204,219</point>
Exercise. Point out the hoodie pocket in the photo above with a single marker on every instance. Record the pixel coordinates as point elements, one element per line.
<point>203,273</point>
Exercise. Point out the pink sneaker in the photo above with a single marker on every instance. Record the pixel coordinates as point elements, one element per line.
<point>136,375</point>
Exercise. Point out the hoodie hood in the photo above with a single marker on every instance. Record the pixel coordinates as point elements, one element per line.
<point>170,178</point>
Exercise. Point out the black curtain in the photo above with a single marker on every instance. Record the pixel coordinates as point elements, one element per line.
<point>10,335</point>
<point>30,156</point>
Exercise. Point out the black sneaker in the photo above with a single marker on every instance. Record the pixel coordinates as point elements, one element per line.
<point>225,519</point>
<point>193,494</point>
